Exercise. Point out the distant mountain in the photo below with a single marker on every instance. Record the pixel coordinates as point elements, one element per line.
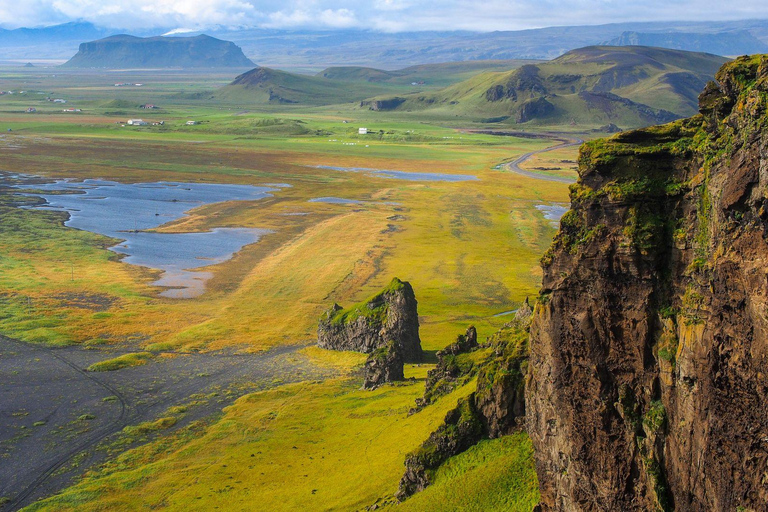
<point>629,86</point>
<point>739,42</point>
<point>124,51</point>
<point>74,31</point>
<point>330,48</point>
<point>283,49</point>
<point>55,42</point>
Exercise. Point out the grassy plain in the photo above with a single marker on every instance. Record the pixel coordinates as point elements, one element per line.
<point>470,249</point>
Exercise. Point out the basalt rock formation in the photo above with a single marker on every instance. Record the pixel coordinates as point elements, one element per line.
<point>455,367</point>
<point>385,364</point>
<point>648,378</point>
<point>389,316</point>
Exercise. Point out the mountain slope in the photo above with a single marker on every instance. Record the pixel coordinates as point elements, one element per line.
<point>265,85</point>
<point>347,83</point>
<point>124,51</point>
<point>628,86</point>
<point>442,74</point>
<point>648,346</point>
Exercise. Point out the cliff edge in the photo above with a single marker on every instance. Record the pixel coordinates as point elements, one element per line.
<point>648,373</point>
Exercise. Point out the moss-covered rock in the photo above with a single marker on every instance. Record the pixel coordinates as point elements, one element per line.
<point>390,315</point>
<point>460,430</point>
<point>455,367</point>
<point>385,364</point>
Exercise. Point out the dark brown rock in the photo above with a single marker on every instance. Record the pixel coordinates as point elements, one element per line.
<point>649,347</point>
<point>454,368</point>
<point>385,364</point>
<point>390,315</point>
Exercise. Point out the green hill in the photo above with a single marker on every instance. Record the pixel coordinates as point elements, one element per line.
<point>265,86</point>
<point>427,75</point>
<point>629,86</point>
<point>124,51</point>
<point>347,84</point>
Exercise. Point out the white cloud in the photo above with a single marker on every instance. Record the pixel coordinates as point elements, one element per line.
<point>389,15</point>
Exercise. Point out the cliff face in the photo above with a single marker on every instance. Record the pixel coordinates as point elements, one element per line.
<point>648,380</point>
<point>390,315</point>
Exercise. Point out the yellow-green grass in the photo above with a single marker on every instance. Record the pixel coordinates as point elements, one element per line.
<point>120,362</point>
<point>456,242</point>
<point>558,162</point>
<point>309,446</point>
<point>494,475</point>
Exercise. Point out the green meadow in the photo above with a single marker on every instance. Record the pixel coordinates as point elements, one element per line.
<point>470,249</point>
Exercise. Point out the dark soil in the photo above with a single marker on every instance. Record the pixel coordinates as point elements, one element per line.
<point>56,419</point>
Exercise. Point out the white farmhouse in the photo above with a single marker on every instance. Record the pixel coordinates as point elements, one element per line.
<point>136,122</point>
<point>362,131</point>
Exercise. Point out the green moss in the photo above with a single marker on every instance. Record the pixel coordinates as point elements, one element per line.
<point>373,309</point>
<point>655,418</point>
<point>124,361</point>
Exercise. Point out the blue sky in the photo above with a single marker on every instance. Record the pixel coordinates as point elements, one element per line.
<point>386,15</point>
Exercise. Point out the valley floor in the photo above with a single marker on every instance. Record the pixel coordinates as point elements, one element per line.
<point>150,431</point>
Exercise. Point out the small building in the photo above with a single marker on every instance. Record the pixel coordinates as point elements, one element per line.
<point>362,131</point>
<point>59,100</point>
<point>31,110</point>
<point>136,122</point>
<point>191,123</point>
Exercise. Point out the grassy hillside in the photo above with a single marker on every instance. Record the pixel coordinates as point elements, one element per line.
<point>349,83</point>
<point>270,86</point>
<point>432,75</point>
<point>628,86</point>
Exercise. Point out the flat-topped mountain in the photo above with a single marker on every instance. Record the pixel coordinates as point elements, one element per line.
<point>629,86</point>
<point>124,51</point>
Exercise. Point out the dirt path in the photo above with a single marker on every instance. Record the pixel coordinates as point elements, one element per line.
<point>54,415</point>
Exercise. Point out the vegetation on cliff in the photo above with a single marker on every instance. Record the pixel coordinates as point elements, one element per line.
<point>647,347</point>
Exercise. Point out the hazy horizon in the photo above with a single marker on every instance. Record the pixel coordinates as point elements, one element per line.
<point>179,16</point>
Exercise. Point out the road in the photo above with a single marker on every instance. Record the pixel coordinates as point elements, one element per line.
<point>514,166</point>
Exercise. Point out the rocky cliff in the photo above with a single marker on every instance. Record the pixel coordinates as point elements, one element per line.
<point>648,378</point>
<point>390,315</point>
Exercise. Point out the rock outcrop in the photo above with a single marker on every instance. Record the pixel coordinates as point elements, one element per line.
<point>495,408</point>
<point>455,367</point>
<point>460,430</point>
<point>649,346</point>
<point>390,315</point>
<point>385,364</point>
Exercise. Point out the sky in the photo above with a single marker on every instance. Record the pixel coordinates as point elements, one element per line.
<point>383,15</point>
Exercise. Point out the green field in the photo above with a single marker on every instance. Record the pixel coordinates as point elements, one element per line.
<point>470,249</point>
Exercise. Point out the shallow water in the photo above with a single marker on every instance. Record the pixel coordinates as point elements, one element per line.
<point>553,212</point>
<point>334,200</point>
<point>124,211</point>
<point>403,175</point>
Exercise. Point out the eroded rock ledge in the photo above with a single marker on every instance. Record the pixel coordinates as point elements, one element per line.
<point>386,327</point>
